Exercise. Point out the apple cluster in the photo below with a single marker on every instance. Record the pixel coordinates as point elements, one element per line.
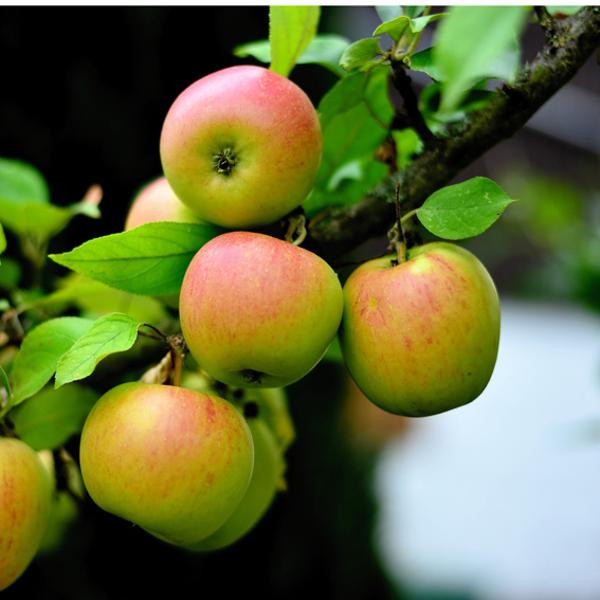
<point>240,149</point>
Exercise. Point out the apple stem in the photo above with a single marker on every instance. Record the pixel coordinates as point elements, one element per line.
<point>296,227</point>
<point>409,215</point>
<point>178,350</point>
<point>6,430</point>
<point>396,234</point>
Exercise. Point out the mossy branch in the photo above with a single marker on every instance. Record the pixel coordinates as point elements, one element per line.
<point>572,41</point>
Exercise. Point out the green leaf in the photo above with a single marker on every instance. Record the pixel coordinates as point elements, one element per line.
<point>350,135</point>
<point>24,202</point>
<point>429,103</point>
<point>51,417</point>
<point>10,274</point>
<point>4,384</point>
<point>355,179</point>
<point>377,98</point>
<point>324,50</point>
<point>360,54</point>
<point>563,10</point>
<point>464,210</point>
<point>259,49</point>
<point>2,240</point>
<point>387,13</point>
<point>402,25</point>
<point>96,299</point>
<point>355,115</point>
<point>394,28</point>
<point>505,67</point>
<point>21,182</point>
<point>344,95</point>
<point>40,352</point>
<point>417,25</point>
<point>148,260</point>
<point>423,61</point>
<point>408,143</point>
<point>469,42</point>
<point>41,220</point>
<point>412,11</point>
<point>291,28</point>
<point>109,334</point>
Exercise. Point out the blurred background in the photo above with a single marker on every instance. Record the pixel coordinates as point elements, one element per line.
<point>498,499</point>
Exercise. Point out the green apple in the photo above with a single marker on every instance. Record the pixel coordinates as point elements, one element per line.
<point>421,337</point>
<point>269,467</point>
<point>257,311</point>
<point>63,514</point>
<point>156,201</point>
<point>272,408</point>
<point>174,461</point>
<point>241,147</point>
<point>25,500</point>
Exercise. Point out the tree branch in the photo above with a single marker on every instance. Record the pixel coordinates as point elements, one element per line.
<point>574,40</point>
<point>546,21</point>
<point>402,83</point>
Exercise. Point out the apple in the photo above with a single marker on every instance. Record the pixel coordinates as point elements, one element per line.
<point>156,201</point>
<point>257,311</point>
<point>272,407</point>
<point>241,147</point>
<point>174,461</point>
<point>25,501</point>
<point>421,337</point>
<point>269,468</point>
<point>271,404</point>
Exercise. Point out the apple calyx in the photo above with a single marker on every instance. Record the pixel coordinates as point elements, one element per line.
<point>251,376</point>
<point>224,161</point>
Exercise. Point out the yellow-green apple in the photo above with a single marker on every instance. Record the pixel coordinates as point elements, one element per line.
<point>271,404</point>
<point>273,409</point>
<point>421,337</point>
<point>156,201</point>
<point>269,467</point>
<point>174,461</point>
<point>241,147</point>
<point>257,311</point>
<point>25,500</point>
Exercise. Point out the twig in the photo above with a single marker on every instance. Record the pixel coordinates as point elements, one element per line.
<point>402,82</point>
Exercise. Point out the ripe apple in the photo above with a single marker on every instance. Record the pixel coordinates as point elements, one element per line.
<point>421,337</point>
<point>174,461</point>
<point>269,467</point>
<point>241,147</point>
<point>156,201</point>
<point>25,500</point>
<point>257,311</point>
